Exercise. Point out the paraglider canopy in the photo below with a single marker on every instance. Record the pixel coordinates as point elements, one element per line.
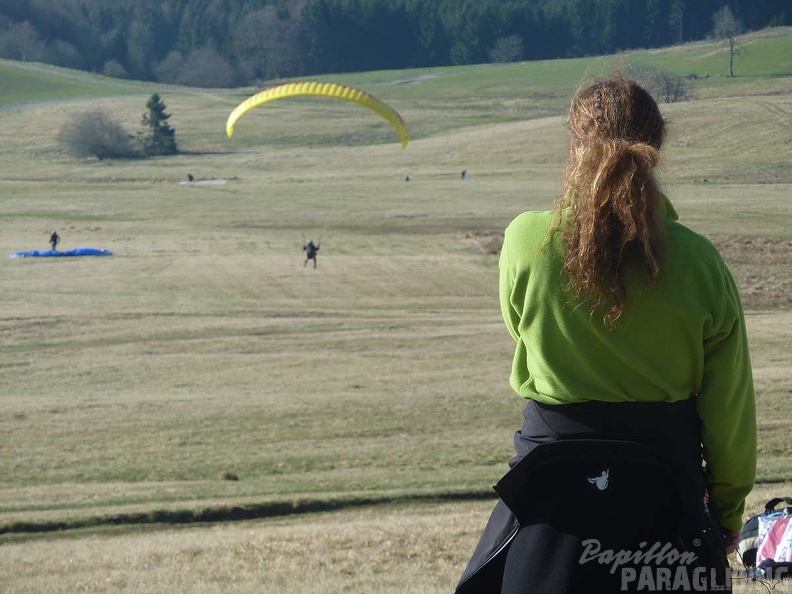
<point>322,90</point>
<point>81,251</point>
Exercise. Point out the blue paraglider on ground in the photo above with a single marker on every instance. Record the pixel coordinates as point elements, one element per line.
<point>81,251</point>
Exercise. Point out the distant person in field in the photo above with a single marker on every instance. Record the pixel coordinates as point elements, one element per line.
<point>310,252</point>
<point>463,176</point>
<point>627,327</point>
<point>54,240</point>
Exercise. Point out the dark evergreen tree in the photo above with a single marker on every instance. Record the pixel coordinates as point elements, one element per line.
<point>158,138</point>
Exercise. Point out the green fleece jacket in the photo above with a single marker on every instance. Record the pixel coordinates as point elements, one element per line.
<point>680,336</point>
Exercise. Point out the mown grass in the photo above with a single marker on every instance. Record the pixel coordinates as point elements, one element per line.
<point>395,549</point>
<point>130,384</point>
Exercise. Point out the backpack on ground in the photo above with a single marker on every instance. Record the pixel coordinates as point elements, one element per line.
<point>766,539</point>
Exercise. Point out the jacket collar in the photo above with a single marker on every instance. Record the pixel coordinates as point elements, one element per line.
<point>667,209</point>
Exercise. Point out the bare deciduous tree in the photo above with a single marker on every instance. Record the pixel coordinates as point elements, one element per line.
<point>202,67</point>
<point>140,48</point>
<point>253,41</point>
<point>168,70</point>
<point>22,41</point>
<point>507,49</point>
<point>114,69</point>
<point>267,45</point>
<point>728,27</point>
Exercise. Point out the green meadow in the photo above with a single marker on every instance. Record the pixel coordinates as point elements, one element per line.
<point>363,405</point>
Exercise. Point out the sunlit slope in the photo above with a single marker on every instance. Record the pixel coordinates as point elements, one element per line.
<point>526,89</point>
<point>766,53</point>
<point>24,82</point>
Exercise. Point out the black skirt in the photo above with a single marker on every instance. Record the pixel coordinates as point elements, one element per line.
<point>543,505</point>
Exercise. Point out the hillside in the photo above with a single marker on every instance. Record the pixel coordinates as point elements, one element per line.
<point>504,91</point>
<point>134,386</point>
<point>26,82</point>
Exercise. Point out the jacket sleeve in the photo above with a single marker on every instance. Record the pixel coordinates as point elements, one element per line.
<point>727,411</point>
<point>510,315</point>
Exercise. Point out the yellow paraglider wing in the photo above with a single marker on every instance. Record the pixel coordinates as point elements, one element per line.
<point>321,89</point>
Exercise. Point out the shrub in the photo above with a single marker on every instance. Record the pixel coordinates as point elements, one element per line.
<point>114,69</point>
<point>672,88</point>
<point>96,134</point>
<point>663,85</point>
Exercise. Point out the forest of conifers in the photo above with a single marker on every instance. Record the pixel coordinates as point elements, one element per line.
<point>221,43</point>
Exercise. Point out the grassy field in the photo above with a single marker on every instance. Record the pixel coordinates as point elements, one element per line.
<point>135,384</point>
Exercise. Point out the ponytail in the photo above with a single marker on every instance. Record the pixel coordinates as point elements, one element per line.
<point>610,201</point>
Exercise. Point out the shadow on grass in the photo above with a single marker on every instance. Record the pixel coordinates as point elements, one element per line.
<point>236,513</point>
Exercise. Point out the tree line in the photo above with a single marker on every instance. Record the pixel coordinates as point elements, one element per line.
<point>223,43</point>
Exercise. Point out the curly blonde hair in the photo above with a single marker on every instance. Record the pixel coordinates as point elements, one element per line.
<point>610,192</point>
